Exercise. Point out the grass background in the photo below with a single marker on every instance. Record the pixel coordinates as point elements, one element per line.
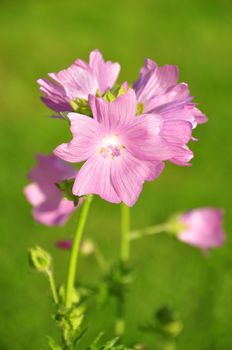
<point>37,37</point>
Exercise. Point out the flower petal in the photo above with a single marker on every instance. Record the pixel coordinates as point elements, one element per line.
<point>154,80</point>
<point>176,131</point>
<point>105,72</point>
<point>112,114</point>
<point>128,175</point>
<point>54,215</point>
<point>85,132</point>
<point>143,139</point>
<point>94,178</point>
<point>34,194</point>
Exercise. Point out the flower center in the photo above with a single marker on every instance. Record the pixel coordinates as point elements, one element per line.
<point>111,146</point>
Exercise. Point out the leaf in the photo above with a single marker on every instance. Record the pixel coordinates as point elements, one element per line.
<point>65,187</point>
<point>53,344</point>
<point>109,345</point>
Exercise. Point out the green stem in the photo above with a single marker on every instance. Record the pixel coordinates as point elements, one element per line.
<point>125,229</point>
<point>149,231</point>
<point>124,259</point>
<point>75,250</point>
<point>52,286</point>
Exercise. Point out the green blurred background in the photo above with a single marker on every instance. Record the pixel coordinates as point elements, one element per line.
<point>43,36</point>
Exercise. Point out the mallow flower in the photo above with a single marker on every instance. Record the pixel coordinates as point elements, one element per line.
<point>202,228</point>
<point>158,91</point>
<point>49,206</point>
<point>78,81</point>
<point>121,150</point>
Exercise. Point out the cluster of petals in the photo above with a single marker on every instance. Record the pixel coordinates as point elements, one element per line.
<point>159,92</point>
<point>49,207</point>
<point>78,81</point>
<point>121,150</point>
<point>203,228</point>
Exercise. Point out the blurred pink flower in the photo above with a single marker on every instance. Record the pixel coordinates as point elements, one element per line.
<point>49,207</point>
<point>121,150</point>
<point>158,90</point>
<point>78,81</point>
<point>204,228</point>
<point>65,244</point>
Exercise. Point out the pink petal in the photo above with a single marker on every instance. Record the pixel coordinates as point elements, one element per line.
<point>175,96</point>
<point>128,175</point>
<point>64,244</point>
<point>182,156</point>
<point>95,178</point>
<point>85,132</point>
<point>200,117</point>
<point>204,228</point>
<point>154,80</point>
<point>54,216</point>
<point>77,81</point>
<point>34,194</point>
<point>154,170</point>
<point>177,131</point>
<point>106,72</point>
<point>113,114</point>
<point>143,140</point>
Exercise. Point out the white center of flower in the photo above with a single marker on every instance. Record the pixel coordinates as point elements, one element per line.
<point>111,146</point>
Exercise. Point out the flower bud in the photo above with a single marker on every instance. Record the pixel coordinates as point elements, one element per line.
<point>39,259</point>
<point>169,321</point>
<point>87,247</point>
<point>202,228</point>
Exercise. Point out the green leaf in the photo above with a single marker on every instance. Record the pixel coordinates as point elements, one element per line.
<point>109,345</point>
<point>53,344</point>
<point>65,187</point>
<point>80,105</point>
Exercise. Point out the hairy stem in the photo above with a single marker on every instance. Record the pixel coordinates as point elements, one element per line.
<point>75,250</point>
<point>149,231</point>
<point>125,229</point>
<point>52,286</point>
<point>124,259</point>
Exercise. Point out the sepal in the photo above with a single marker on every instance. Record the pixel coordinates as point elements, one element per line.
<point>66,188</point>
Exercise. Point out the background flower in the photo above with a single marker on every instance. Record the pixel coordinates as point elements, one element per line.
<point>158,90</point>
<point>78,81</point>
<point>49,207</point>
<point>204,228</point>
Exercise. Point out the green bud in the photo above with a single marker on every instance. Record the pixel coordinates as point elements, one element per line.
<point>109,97</point>
<point>74,105</point>
<point>62,294</point>
<point>80,105</point>
<point>39,259</point>
<point>70,321</point>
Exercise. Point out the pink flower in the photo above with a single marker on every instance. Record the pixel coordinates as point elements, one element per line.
<point>204,228</point>
<point>49,207</point>
<point>121,150</point>
<point>158,90</point>
<point>78,81</point>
